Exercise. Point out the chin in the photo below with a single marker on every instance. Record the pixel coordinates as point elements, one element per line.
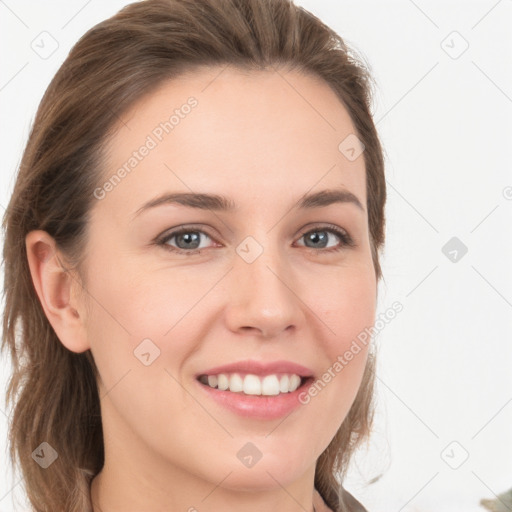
<point>260,479</point>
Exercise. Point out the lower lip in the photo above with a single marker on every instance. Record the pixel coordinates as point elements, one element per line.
<point>258,406</point>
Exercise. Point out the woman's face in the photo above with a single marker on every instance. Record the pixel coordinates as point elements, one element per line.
<point>161,313</point>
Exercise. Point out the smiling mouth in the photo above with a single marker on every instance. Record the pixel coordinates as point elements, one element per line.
<point>255,385</point>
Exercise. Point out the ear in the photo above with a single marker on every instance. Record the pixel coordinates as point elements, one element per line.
<point>55,286</point>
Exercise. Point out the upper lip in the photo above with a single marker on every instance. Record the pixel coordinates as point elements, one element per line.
<point>260,368</point>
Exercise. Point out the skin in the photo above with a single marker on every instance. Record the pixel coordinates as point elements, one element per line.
<point>264,139</point>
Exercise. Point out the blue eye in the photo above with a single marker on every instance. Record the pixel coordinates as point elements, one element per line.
<point>312,236</point>
<point>188,240</point>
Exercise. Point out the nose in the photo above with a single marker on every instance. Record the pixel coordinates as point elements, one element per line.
<point>262,298</point>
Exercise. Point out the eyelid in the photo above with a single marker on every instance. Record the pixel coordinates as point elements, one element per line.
<point>339,231</point>
<point>169,234</point>
<point>346,239</point>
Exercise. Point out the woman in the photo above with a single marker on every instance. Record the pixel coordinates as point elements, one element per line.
<point>192,253</point>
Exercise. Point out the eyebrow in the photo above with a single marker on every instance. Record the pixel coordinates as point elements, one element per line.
<point>221,203</point>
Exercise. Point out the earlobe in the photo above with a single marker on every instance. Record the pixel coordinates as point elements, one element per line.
<point>53,283</point>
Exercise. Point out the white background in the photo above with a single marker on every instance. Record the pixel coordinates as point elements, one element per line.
<point>445,361</point>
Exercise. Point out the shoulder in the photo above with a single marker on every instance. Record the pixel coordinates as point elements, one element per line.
<point>349,503</point>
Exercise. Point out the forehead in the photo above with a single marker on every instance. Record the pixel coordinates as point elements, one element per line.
<point>252,135</point>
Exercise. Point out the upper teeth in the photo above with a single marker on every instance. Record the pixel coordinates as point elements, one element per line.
<point>253,384</point>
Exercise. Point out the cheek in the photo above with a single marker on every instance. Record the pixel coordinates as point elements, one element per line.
<point>132,303</point>
<point>346,304</point>
<point>347,310</point>
<point>140,303</point>
<point>138,317</point>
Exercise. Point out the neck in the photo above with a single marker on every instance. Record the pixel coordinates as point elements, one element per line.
<point>115,493</point>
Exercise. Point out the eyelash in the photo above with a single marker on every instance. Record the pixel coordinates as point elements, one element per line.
<point>345,239</point>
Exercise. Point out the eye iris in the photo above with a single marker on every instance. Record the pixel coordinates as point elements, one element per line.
<point>191,239</point>
<point>188,237</point>
<point>314,237</point>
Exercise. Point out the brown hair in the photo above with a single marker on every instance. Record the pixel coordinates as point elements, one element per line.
<point>114,64</point>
